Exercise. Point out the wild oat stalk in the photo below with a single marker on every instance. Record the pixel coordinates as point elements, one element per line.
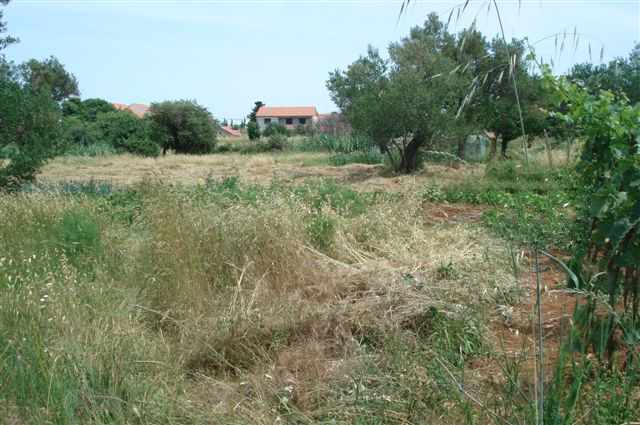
<point>539,350</point>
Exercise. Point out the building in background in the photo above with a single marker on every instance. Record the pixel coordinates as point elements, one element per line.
<point>226,131</point>
<point>137,109</point>
<point>288,116</point>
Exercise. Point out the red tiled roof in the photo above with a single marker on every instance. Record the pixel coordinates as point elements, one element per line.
<point>136,108</point>
<point>287,111</point>
<point>228,131</point>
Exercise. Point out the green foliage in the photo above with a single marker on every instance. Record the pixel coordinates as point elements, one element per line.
<point>609,173</point>
<point>86,110</point>
<point>277,141</point>
<point>252,116</point>
<point>94,127</point>
<point>6,40</point>
<point>321,230</point>
<point>337,144</point>
<point>78,133</point>
<point>126,133</point>
<point>141,146</point>
<point>49,75</point>
<point>183,126</point>
<point>407,102</point>
<point>93,150</point>
<point>327,193</point>
<point>495,105</point>
<point>30,127</point>
<point>253,131</point>
<point>620,76</point>
<point>588,381</point>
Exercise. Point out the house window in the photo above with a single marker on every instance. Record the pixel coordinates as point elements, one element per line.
<point>267,120</point>
<point>302,121</point>
<point>289,121</point>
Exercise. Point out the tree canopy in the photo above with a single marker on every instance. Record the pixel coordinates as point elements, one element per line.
<point>620,76</point>
<point>7,39</point>
<point>183,126</point>
<point>252,116</point>
<point>437,87</point>
<point>29,130</point>
<point>50,75</point>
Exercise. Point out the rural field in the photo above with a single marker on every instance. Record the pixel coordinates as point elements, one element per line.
<point>319,213</point>
<point>256,289</point>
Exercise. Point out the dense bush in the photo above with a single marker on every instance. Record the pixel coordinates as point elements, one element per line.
<point>126,133</point>
<point>183,126</point>
<point>86,110</point>
<point>110,132</point>
<point>77,132</point>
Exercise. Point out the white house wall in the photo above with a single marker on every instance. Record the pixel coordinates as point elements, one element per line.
<point>280,120</point>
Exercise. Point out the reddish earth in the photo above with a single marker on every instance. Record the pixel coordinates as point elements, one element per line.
<point>452,213</point>
<point>513,336</point>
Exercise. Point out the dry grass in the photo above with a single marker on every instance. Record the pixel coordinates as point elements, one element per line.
<point>258,168</point>
<point>203,312</point>
<point>188,169</point>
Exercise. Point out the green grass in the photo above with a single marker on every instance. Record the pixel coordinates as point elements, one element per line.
<point>528,205</point>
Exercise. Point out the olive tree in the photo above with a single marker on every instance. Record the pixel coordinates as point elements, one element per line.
<point>183,126</point>
<point>406,102</point>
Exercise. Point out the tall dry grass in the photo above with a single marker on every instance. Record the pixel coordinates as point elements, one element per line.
<point>218,305</point>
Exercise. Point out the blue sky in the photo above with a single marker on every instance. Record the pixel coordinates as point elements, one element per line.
<point>227,54</point>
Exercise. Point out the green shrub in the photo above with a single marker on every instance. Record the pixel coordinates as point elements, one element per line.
<point>142,147</point>
<point>275,128</point>
<point>277,142</point>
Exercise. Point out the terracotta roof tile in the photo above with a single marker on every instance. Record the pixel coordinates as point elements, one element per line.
<point>287,111</point>
<point>138,109</point>
<point>228,131</point>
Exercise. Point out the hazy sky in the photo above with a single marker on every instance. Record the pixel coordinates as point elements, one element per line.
<point>227,54</point>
